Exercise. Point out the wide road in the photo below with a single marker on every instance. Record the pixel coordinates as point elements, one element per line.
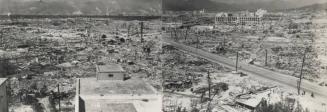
<point>253,70</point>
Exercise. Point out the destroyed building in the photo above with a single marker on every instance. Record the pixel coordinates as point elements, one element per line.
<point>110,72</point>
<point>3,95</point>
<point>111,93</point>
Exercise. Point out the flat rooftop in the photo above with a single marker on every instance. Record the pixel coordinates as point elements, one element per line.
<point>110,68</point>
<point>254,101</point>
<point>2,80</point>
<point>91,86</point>
<point>104,106</point>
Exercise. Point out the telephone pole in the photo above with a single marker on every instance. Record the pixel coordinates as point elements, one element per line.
<point>197,41</point>
<point>266,58</point>
<point>209,84</point>
<point>209,89</point>
<point>301,74</point>
<point>128,31</point>
<point>1,35</point>
<point>59,98</point>
<point>236,62</point>
<point>142,25</point>
<point>186,34</point>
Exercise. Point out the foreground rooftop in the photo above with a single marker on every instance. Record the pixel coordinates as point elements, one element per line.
<point>132,95</point>
<point>91,86</point>
<point>104,106</point>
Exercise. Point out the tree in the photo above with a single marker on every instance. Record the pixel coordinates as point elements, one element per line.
<point>195,110</point>
<point>104,36</point>
<point>216,89</point>
<point>148,47</point>
<point>179,109</point>
<point>44,90</point>
<point>37,107</point>
<point>184,110</point>
<point>201,91</point>
<point>7,68</point>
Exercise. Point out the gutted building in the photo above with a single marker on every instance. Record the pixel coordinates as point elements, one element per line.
<point>110,72</point>
<point>3,95</point>
<point>132,95</point>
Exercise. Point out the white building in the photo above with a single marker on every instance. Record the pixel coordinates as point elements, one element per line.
<point>133,95</point>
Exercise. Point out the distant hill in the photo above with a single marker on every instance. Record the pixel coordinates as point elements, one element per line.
<point>314,7</point>
<point>87,7</point>
<point>219,5</point>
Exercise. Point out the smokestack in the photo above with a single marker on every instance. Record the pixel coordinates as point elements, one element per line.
<point>77,95</point>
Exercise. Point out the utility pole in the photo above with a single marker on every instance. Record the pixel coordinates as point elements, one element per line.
<point>197,41</point>
<point>224,42</point>
<point>128,31</point>
<point>236,62</point>
<point>79,86</point>
<point>266,58</point>
<point>135,53</point>
<point>175,33</point>
<point>59,98</point>
<point>116,31</point>
<point>142,25</point>
<point>209,88</point>
<point>301,74</point>
<point>1,35</point>
<point>171,33</point>
<point>209,84</point>
<point>186,34</point>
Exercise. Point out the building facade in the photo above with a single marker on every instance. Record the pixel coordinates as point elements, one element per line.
<point>3,95</point>
<point>135,95</point>
<point>110,72</point>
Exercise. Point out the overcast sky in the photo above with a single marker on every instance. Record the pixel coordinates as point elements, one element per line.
<point>301,2</point>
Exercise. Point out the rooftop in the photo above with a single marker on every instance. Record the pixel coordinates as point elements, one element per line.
<point>277,39</point>
<point>2,80</point>
<point>254,101</point>
<point>91,86</point>
<point>104,106</point>
<point>110,68</point>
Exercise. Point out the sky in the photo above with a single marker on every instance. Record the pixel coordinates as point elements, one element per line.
<point>146,5</point>
<point>300,2</point>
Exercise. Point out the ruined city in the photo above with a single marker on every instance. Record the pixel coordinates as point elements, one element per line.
<point>163,56</point>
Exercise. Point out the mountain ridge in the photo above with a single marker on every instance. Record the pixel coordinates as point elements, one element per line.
<point>81,7</point>
<point>215,5</point>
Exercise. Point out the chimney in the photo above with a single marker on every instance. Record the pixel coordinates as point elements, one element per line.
<point>77,95</point>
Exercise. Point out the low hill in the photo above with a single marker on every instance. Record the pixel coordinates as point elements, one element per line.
<point>86,7</point>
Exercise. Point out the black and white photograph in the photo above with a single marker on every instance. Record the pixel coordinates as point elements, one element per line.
<point>163,55</point>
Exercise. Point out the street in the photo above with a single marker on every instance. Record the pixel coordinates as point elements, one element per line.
<point>254,70</point>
